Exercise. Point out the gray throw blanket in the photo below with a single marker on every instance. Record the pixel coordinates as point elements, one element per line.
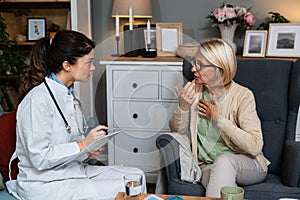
<point>190,171</point>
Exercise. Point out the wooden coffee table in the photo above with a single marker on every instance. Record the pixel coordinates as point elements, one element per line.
<point>121,196</point>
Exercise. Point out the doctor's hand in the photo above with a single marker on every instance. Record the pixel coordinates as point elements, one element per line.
<point>92,135</point>
<point>95,154</point>
<point>186,96</point>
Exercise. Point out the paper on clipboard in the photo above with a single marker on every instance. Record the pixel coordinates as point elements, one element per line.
<point>94,146</point>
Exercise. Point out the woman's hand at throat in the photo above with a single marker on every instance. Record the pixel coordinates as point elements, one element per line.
<point>211,110</point>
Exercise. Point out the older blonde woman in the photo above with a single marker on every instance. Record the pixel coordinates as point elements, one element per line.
<point>221,117</point>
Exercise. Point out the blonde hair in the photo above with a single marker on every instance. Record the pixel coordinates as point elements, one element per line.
<point>219,53</point>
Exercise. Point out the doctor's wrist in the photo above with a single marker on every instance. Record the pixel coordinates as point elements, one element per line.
<point>81,145</point>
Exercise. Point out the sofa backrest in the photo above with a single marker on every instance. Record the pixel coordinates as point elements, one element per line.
<point>269,80</point>
<point>294,100</point>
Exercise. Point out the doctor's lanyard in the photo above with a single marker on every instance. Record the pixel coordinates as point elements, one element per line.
<point>67,126</point>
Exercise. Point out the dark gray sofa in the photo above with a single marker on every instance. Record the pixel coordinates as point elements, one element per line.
<point>276,86</point>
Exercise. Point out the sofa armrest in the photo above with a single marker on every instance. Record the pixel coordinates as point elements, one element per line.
<point>290,172</point>
<point>169,149</point>
<point>1,182</point>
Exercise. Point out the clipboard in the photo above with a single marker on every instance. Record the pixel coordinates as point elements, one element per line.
<point>95,145</point>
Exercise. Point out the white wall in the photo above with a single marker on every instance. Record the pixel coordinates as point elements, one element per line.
<point>81,20</point>
<point>192,13</point>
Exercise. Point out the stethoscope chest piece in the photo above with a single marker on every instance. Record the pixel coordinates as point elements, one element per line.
<point>68,128</point>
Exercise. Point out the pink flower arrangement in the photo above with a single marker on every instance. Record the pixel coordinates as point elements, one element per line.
<point>228,14</point>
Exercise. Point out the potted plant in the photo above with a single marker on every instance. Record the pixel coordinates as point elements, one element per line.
<point>12,59</point>
<point>228,18</point>
<point>12,62</point>
<point>53,29</point>
<point>275,18</point>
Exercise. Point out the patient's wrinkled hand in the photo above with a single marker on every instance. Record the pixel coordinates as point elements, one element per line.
<point>211,110</point>
<point>186,96</point>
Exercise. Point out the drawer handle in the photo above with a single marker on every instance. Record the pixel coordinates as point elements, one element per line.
<point>134,85</point>
<point>135,116</point>
<point>135,150</point>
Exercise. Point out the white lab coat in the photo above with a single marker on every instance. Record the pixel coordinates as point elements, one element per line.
<point>43,143</point>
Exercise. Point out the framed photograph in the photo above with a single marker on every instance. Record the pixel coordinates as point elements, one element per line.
<point>255,43</point>
<point>168,37</point>
<point>284,40</point>
<point>36,28</point>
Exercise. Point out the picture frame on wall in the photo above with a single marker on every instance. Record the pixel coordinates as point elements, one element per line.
<point>255,43</point>
<point>168,38</point>
<point>284,40</point>
<point>36,28</point>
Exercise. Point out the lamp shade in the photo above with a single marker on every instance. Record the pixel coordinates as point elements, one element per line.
<point>140,8</point>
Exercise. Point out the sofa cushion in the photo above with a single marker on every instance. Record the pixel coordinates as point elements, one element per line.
<point>272,188</point>
<point>8,144</point>
<point>179,187</point>
<point>271,91</point>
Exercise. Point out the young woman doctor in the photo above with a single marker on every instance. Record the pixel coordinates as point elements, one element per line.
<point>48,133</point>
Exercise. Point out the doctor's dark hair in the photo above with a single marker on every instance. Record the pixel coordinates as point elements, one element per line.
<point>46,58</point>
<point>67,46</point>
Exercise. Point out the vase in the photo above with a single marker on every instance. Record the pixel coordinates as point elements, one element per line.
<point>227,33</point>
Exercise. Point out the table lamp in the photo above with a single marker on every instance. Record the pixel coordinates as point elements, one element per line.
<point>130,9</point>
<point>141,8</point>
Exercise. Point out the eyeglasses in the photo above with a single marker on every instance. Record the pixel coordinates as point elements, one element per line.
<point>81,124</point>
<point>199,66</point>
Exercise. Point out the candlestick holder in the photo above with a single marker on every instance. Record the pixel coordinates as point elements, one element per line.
<point>148,46</point>
<point>149,52</point>
<point>118,49</point>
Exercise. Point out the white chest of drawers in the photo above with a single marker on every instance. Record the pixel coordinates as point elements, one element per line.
<point>141,98</point>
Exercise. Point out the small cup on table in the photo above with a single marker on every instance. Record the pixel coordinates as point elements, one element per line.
<point>232,193</point>
<point>133,186</point>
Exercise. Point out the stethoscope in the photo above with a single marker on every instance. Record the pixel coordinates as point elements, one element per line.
<point>76,102</point>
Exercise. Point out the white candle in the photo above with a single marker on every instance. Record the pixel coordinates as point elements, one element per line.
<point>130,18</point>
<point>117,26</point>
<point>148,32</point>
